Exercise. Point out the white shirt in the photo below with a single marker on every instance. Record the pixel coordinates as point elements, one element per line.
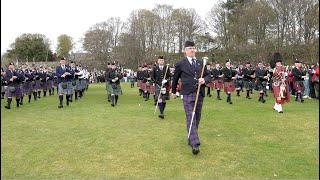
<point>190,59</point>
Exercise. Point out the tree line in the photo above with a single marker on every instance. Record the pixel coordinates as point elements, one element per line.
<point>239,30</point>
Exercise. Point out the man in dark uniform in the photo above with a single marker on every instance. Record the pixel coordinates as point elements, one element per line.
<point>210,84</point>
<point>262,78</point>
<point>217,76</point>
<point>239,80</point>
<point>298,78</point>
<point>64,81</point>
<point>114,77</point>
<point>189,70</point>
<point>228,80</point>
<point>139,80</point>
<point>160,76</point>
<point>146,80</point>
<point>248,77</point>
<point>13,79</point>
<point>3,83</point>
<point>108,83</point>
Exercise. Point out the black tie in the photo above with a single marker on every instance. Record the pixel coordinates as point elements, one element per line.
<point>194,63</point>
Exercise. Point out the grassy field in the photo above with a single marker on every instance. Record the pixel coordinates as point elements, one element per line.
<point>92,140</point>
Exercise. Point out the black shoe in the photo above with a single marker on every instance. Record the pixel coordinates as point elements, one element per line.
<point>218,98</point>
<point>209,95</point>
<point>108,100</point>
<point>18,105</point>
<point>112,105</point>
<point>230,102</point>
<point>302,100</point>
<point>161,116</point>
<point>238,94</point>
<point>8,107</point>
<point>146,100</point>
<point>248,97</point>
<point>70,100</point>
<point>60,106</point>
<point>195,150</point>
<point>263,101</point>
<point>21,103</point>
<point>67,103</point>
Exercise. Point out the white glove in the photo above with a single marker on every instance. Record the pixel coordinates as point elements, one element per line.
<point>164,81</point>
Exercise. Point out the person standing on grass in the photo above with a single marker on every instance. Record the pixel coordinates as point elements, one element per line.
<point>262,78</point>
<point>114,77</point>
<point>13,79</point>
<point>217,76</point>
<point>248,78</point>
<point>160,76</point>
<point>108,83</point>
<point>298,78</point>
<point>189,70</point>
<point>64,82</point>
<point>280,84</point>
<point>228,78</point>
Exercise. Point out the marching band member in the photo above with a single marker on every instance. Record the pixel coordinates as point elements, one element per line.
<point>262,78</point>
<point>229,77</point>
<point>217,76</point>
<point>279,85</point>
<point>298,79</point>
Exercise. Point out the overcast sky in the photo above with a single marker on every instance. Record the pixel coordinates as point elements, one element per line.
<point>74,17</point>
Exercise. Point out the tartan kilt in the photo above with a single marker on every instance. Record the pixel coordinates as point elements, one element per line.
<point>116,91</point>
<point>151,88</point>
<point>229,86</point>
<point>164,97</point>
<point>298,86</point>
<point>49,84</point>
<point>68,90</point>
<point>36,85</point>
<point>82,84</point>
<point>55,82</point>
<point>27,88</point>
<point>262,86</point>
<point>276,92</point>
<point>248,84</point>
<point>3,89</point>
<point>238,83</point>
<point>210,84</point>
<point>143,86</point>
<point>139,82</point>
<point>218,84</point>
<point>76,87</point>
<point>17,93</point>
<point>43,84</point>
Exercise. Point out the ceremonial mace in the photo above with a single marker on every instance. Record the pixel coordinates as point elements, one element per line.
<point>196,102</point>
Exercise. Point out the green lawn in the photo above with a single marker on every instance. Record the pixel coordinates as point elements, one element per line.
<point>92,140</point>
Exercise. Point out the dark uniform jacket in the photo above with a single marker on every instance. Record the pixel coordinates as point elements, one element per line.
<point>247,72</point>
<point>297,73</point>
<point>157,75</point>
<point>228,74</point>
<point>189,77</point>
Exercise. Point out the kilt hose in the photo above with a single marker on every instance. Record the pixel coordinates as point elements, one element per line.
<point>189,103</point>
